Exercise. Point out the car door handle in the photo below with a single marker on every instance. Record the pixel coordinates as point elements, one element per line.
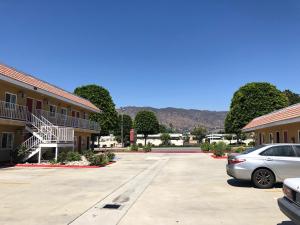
<point>269,159</point>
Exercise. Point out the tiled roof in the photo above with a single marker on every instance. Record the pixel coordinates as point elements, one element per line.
<point>30,80</point>
<point>282,115</point>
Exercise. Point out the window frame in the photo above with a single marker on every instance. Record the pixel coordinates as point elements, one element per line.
<point>9,106</point>
<point>271,138</point>
<point>12,140</point>
<point>66,110</point>
<point>291,147</point>
<point>51,113</point>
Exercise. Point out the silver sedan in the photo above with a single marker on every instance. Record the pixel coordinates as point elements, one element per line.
<point>265,165</point>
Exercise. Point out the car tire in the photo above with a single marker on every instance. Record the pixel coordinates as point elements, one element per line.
<point>263,178</point>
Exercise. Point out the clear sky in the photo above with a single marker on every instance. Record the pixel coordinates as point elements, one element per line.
<point>190,54</point>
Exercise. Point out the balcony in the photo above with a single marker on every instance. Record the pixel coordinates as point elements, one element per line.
<point>68,121</point>
<point>21,113</point>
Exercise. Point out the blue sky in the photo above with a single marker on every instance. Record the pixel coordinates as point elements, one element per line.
<point>190,54</point>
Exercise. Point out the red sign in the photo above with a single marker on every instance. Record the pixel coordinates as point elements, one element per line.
<point>132,136</point>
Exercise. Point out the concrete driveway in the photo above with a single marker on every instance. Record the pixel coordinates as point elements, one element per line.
<point>155,188</point>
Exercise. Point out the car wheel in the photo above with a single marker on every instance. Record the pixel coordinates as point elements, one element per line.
<point>263,178</point>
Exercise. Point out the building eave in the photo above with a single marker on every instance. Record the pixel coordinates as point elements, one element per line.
<point>41,91</point>
<point>273,124</point>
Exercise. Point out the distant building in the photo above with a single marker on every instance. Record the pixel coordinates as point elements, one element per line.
<point>211,138</point>
<point>176,139</point>
<point>107,142</point>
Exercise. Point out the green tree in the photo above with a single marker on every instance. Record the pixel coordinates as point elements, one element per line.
<point>250,101</point>
<point>229,137</point>
<point>146,123</point>
<point>199,133</point>
<point>293,98</point>
<point>101,98</point>
<point>162,128</point>
<point>165,138</point>
<point>127,126</point>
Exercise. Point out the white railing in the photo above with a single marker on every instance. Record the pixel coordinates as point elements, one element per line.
<point>31,143</point>
<point>68,121</point>
<point>13,111</point>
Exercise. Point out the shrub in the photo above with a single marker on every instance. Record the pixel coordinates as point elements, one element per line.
<point>110,156</point>
<point>73,156</point>
<point>220,148</point>
<point>140,145</point>
<point>239,149</point>
<point>99,160</point>
<point>89,154</point>
<point>62,157</point>
<point>205,146</point>
<point>148,148</point>
<point>134,147</point>
<point>252,143</point>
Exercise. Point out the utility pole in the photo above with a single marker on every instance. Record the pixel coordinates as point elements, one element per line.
<point>122,127</point>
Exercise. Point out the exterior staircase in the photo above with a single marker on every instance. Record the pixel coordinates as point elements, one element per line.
<point>44,133</point>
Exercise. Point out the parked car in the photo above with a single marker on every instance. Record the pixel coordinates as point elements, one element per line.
<point>265,165</point>
<point>290,203</point>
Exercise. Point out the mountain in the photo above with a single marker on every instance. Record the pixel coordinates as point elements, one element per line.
<point>182,119</point>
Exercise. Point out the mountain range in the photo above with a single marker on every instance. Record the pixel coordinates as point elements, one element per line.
<point>182,119</point>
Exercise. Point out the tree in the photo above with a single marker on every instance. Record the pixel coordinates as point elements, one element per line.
<point>127,126</point>
<point>165,138</point>
<point>101,98</point>
<point>293,98</point>
<point>250,101</point>
<point>162,128</point>
<point>146,123</point>
<point>229,137</point>
<point>199,133</point>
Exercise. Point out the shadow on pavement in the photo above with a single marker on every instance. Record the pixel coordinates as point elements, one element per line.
<point>286,223</point>
<point>240,183</point>
<point>246,184</point>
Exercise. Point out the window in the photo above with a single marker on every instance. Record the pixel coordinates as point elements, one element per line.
<point>297,149</point>
<point>52,110</point>
<point>280,151</point>
<point>7,140</point>
<point>10,99</point>
<point>64,111</point>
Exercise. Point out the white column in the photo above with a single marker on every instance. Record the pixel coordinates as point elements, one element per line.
<point>56,153</point>
<point>40,155</point>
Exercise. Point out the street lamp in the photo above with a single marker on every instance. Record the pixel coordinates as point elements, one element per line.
<point>122,126</point>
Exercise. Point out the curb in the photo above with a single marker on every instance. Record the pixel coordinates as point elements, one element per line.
<point>28,165</point>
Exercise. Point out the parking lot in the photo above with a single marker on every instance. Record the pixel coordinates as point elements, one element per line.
<point>153,188</point>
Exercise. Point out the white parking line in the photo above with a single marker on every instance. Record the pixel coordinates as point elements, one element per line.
<point>125,196</point>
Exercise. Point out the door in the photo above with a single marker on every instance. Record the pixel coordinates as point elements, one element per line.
<point>283,161</point>
<point>79,144</point>
<point>29,104</point>
<point>88,143</point>
<point>285,137</point>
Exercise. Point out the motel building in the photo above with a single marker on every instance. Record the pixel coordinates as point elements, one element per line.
<point>281,126</point>
<point>41,118</point>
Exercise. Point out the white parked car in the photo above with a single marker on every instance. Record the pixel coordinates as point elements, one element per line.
<point>290,203</point>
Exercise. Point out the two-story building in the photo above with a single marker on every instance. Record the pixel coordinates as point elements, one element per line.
<point>38,116</point>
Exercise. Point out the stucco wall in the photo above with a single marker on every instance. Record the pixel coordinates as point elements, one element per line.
<point>291,129</point>
<point>23,93</point>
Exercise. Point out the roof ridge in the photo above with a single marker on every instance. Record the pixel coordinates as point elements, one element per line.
<point>46,82</point>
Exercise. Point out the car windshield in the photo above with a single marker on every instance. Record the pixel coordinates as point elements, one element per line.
<point>249,150</point>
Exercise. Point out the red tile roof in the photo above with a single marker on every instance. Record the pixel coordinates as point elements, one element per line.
<point>283,115</point>
<point>30,80</point>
